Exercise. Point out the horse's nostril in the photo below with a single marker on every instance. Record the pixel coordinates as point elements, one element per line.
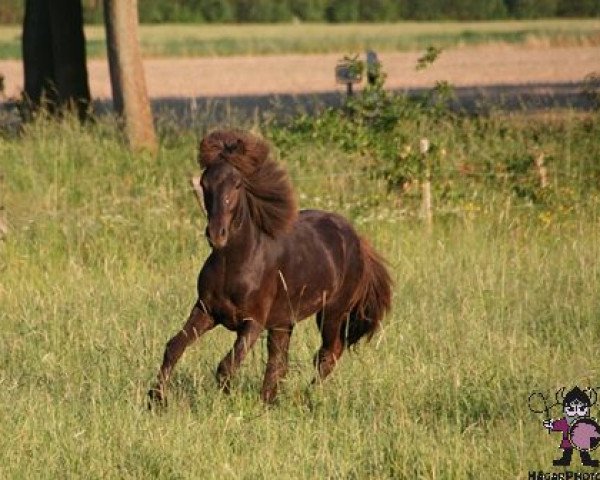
<point>222,232</point>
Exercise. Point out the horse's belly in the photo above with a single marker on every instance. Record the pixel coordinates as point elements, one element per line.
<point>308,288</point>
<point>295,308</point>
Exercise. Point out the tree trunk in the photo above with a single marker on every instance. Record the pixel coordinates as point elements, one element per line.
<point>68,47</point>
<point>130,96</point>
<point>54,57</point>
<point>38,63</point>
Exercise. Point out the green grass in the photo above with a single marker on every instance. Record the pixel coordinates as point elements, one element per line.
<point>208,40</point>
<point>99,269</point>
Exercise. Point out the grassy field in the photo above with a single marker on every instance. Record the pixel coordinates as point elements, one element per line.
<point>207,40</point>
<point>99,269</point>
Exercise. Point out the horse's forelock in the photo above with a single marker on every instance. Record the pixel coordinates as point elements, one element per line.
<point>244,151</point>
<point>211,149</point>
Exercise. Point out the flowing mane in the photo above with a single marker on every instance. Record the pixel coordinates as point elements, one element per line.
<point>270,197</point>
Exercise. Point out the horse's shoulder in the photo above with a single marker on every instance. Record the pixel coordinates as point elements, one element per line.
<point>208,276</point>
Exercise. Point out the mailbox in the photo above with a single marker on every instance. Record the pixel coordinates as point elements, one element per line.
<point>348,72</point>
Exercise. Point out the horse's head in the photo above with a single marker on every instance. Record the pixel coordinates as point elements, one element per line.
<point>240,180</point>
<point>221,188</point>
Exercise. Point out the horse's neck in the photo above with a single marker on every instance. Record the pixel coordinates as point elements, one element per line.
<point>243,244</point>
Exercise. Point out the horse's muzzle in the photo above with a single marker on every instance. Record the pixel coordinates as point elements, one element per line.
<point>216,236</point>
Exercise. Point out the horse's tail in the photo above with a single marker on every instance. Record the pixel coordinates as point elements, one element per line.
<point>372,300</point>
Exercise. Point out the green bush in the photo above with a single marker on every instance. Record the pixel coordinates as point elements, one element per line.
<point>424,10</point>
<point>257,11</point>
<point>474,9</point>
<point>578,8</point>
<point>216,11</point>
<point>338,11</point>
<point>456,10</point>
<point>378,11</point>
<point>308,10</point>
<point>531,8</point>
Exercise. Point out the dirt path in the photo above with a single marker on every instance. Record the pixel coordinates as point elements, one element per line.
<point>234,76</point>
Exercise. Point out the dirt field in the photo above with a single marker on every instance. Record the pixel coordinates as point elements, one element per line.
<point>234,76</point>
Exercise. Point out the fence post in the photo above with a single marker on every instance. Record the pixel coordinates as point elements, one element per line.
<point>3,224</point>
<point>426,204</point>
<point>541,169</point>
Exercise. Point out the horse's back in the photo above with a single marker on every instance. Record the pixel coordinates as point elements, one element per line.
<point>333,231</point>
<point>315,217</point>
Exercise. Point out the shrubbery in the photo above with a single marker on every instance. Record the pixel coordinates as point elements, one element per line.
<point>257,11</point>
<point>465,153</point>
<point>532,8</point>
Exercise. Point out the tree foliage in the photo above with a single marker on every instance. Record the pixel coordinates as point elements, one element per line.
<point>256,11</point>
<point>531,8</point>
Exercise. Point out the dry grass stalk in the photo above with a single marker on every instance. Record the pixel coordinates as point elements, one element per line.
<point>197,187</point>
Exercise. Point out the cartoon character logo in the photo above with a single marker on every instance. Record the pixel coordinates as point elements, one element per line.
<point>579,430</point>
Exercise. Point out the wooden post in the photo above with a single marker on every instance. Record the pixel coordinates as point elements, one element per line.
<point>426,204</point>
<point>130,96</point>
<point>3,224</point>
<point>541,170</point>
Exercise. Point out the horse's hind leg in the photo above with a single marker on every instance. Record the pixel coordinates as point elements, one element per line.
<point>278,344</point>
<point>330,323</point>
<point>198,323</point>
<point>245,340</point>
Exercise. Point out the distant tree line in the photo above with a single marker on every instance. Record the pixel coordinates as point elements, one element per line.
<point>333,11</point>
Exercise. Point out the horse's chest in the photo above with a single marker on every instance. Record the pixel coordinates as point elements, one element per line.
<point>235,291</point>
<point>234,304</point>
<point>225,313</point>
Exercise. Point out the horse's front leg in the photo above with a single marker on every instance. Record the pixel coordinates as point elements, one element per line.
<point>246,338</point>
<point>198,323</point>
<point>278,344</point>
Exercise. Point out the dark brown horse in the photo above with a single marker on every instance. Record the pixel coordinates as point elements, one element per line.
<point>271,267</point>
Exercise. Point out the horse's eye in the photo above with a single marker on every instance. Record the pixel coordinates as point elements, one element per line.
<point>238,185</point>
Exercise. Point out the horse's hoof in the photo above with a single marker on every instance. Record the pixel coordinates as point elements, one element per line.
<point>224,387</point>
<point>156,398</point>
<point>269,397</point>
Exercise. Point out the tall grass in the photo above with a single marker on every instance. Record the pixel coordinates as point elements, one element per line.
<point>98,270</point>
<point>208,40</point>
